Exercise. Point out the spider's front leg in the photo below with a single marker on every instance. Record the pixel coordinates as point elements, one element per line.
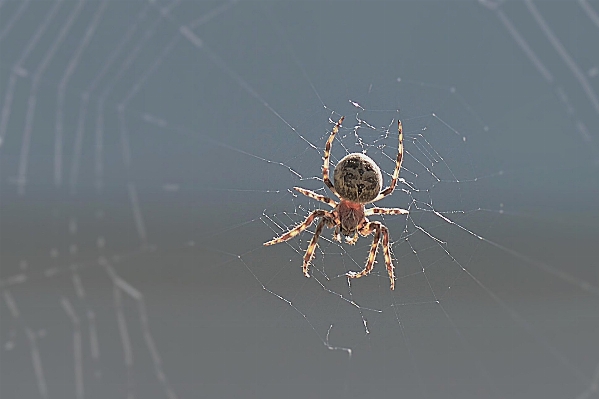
<point>327,156</point>
<point>398,161</point>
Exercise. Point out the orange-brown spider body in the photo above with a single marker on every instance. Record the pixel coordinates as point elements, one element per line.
<point>358,181</point>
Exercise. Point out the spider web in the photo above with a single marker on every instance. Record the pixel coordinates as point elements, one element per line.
<point>148,149</point>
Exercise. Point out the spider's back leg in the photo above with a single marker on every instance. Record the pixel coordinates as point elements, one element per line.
<point>312,247</point>
<point>299,228</point>
<point>378,228</point>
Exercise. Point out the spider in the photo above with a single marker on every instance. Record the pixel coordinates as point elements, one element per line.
<point>358,181</point>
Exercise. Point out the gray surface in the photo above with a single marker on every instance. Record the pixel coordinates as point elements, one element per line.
<point>143,164</point>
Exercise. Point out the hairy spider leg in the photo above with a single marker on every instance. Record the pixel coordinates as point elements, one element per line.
<point>398,161</point>
<point>327,156</point>
<point>385,211</point>
<point>377,228</point>
<point>315,196</point>
<point>387,255</point>
<point>298,229</point>
<point>312,247</point>
<point>367,229</point>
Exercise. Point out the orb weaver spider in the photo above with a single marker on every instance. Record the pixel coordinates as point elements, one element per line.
<point>358,181</point>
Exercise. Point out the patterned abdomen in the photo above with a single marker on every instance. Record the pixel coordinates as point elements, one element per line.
<point>357,178</point>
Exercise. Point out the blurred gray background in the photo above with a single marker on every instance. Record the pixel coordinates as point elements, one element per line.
<point>148,148</point>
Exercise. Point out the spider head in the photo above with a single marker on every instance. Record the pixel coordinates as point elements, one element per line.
<point>357,178</point>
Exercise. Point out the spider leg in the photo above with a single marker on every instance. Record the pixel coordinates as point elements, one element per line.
<point>315,196</point>
<point>369,228</point>
<point>327,156</point>
<point>393,183</point>
<point>312,247</point>
<point>387,254</point>
<point>378,228</point>
<point>298,229</point>
<point>385,211</point>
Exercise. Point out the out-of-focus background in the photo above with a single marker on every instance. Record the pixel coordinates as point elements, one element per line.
<point>148,149</point>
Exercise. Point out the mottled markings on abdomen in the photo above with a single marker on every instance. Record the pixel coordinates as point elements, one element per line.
<point>357,178</point>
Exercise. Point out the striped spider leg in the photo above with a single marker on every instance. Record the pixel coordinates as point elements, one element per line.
<point>327,156</point>
<point>385,211</point>
<point>398,162</point>
<point>315,196</point>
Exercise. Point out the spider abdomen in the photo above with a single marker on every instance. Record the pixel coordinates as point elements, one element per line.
<point>358,178</point>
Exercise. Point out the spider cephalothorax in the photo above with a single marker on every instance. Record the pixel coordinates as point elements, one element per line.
<point>358,181</point>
